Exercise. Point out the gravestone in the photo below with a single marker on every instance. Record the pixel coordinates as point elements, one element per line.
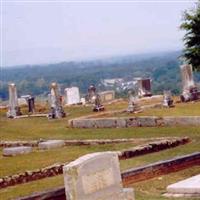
<point>13,151</point>
<point>186,188</point>
<point>51,144</point>
<point>133,104</point>
<point>107,96</point>
<point>55,100</point>
<point>13,107</point>
<point>95,176</point>
<point>167,99</point>
<point>72,96</point>
<point>94,98</point>
<point>144,87</point>
<point>189,89</point>
<point>30,100</point>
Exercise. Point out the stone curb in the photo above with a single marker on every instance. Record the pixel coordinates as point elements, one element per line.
<point>56,169</point>
<point>144,121</point>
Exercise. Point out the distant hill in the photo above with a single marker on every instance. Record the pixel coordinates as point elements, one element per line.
<point>163,68</point>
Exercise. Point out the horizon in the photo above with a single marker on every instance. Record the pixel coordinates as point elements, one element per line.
<point>88,31</point>
<point>101,58</point>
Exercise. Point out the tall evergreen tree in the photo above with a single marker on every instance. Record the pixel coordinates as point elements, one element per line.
<point>191,24</point>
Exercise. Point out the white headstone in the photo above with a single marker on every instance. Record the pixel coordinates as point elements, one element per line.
<point>72,96</point>
<point>95,177</point>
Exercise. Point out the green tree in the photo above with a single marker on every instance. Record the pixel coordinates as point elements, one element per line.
<point>191,24</point>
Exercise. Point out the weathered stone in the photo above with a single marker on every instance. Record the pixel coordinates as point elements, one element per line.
<point>55,101</point>
<point>83,123</point>
<point>183,120</point>
<point>13,106</point>
<point>93,177</point>
<point>107,96</point>
<point>72,96</point>
<point>131,122</point>
<point>105,123</point>
<point>144,87</point>
<point>13,151</point>
<point>51,144</point>
<point>146,121</point>
<point>120,123</point>
<point>187,187</point>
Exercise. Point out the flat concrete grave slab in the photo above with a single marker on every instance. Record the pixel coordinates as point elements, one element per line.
<point>13,151</point>
<point>187,188</point>
<point>95,176</point>
<point>51,144</point>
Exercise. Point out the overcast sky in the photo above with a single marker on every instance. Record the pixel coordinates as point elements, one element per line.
<point>61,31</point>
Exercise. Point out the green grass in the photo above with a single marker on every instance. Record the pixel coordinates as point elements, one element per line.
<point>151,189</point>
<point>39,159</point>
<point>180,109</point>
<point>36,128</point>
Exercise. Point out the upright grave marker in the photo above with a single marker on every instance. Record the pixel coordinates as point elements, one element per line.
<point>55,102</point>
<point>133,103</point>
<point>13,107</point>
<point>72,96</point>
<point>94,97</point>
<point>30,100</point>
<point>95,176</point>
<point>167,99</point>
<point>144,87</point>
<point>189,89</point>
<point>107,96</point>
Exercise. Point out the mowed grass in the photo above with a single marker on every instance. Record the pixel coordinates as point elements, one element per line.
<point>37,128</point>
<point>180,109</point>
<point>39,158</point>
<point>151,189</point>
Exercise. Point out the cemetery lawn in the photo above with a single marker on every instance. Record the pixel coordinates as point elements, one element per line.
<point>37,128</point>
<point>180,109</point>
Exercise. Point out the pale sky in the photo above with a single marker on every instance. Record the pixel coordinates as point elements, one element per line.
<point>54,31</point>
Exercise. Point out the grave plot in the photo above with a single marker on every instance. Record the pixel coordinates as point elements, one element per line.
<point>177,115</point>
<point>36,129</point>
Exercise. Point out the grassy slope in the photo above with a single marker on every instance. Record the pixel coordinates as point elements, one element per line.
<point>36,128</point>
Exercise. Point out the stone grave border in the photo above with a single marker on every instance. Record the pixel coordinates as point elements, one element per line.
<point>56,169</point>
<point>35,143</point>
<point>126,122</point>
<point>132,175</point>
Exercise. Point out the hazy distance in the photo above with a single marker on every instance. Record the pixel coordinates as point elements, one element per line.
<point>35,33</point>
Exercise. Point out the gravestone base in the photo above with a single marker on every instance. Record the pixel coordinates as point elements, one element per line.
<point>13,151</point>
<point>51,144</point>
<point>98,108</point>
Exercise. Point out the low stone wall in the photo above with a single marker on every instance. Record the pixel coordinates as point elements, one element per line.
<point>57,168</point>
<point>145,121</point>
<point>160,168</point>
<point>133,175</point>
<point>152,147</point>
<point>35,143</point>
